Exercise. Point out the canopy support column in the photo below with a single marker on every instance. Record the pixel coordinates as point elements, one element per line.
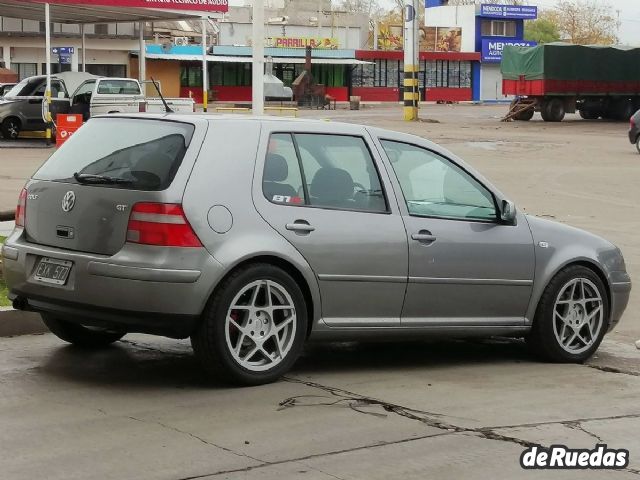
<point>205,80</point>
<point>47,56</point>
<point>84,48</point>
<point>142,58</point>
<point>258,57</point>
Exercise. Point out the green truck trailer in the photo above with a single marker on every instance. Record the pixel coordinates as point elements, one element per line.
<point>559,78</point>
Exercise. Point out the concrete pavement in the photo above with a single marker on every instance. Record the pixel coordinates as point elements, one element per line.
<point>142,410</point>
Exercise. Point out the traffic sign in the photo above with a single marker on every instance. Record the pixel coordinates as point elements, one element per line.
<point>63,50</point>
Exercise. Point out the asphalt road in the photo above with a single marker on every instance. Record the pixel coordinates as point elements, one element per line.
<point>444,410</point>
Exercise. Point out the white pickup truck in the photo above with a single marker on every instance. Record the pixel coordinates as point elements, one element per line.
<point>97,96</point>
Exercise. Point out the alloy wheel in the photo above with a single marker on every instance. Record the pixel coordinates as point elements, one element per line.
<point>260,325</point>
<point>578,315</point>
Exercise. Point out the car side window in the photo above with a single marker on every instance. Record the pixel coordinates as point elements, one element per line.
<point>282,180</point>
<point>340,173</point>
<point>435,187</point>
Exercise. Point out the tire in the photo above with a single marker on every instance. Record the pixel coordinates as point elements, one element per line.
<point>638,144</point>
<point>559,333</point>
<point>80,336</point>
<point>227,336</point>
<point>589,114</point>
<point>525,116</point>
<point>10,128</point>
<point>553,110</point>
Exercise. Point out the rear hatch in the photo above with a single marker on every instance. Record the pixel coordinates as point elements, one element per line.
<point>81,198</point>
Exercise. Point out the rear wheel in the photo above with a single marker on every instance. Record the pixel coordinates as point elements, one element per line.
<point>254,327</point>
<point>589,114</point>
<point>87,337</point>
<point>571,318</point>
<point>10,128</point>
<point>638,143</point>
<point>525,116</point>
<point>553,110</point>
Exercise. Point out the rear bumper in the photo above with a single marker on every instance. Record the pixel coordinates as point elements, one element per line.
<point>154,323</point>
<point>140,288</point>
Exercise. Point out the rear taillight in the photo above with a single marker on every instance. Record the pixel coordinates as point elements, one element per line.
<point>161,224</point>
<point>632,122</point>
<point>21,209</point>
<point>142,107</point>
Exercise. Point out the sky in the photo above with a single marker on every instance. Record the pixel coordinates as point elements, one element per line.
<point>629,16</point>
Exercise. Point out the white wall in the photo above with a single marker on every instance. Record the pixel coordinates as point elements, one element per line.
<point>99,51</point>
<point>240,34</point>
<point>463,16</point>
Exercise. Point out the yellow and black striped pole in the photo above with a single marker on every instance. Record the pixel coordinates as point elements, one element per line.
<point>411,62</point>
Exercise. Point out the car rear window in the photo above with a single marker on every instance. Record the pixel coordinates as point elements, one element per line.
<point>118,87</point>
<point>142,154</point>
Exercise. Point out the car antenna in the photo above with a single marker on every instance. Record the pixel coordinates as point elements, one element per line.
<point>167,108</point>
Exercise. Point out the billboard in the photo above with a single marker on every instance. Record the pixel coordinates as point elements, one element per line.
<point>510,12</point>
<point>432,39</point>
<point>198,5</point>
<point>492,49</point>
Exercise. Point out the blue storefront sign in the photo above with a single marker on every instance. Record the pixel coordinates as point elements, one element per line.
<point>64,54</point>
<point>492,48</point>
<point>512,12</point>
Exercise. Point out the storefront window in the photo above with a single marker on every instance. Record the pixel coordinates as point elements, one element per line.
<point>447,74</point>
<point>25,70</point>
<point>191,76</point>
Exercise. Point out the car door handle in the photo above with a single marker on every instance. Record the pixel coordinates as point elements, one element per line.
<point>300,226</point>
<point>424,236</point>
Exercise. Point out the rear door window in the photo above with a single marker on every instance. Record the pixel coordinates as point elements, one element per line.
<point>122,153</point>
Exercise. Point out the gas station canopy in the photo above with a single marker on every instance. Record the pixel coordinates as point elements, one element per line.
<point>110,11</point>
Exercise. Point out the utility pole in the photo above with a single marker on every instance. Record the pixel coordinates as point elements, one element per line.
<point>411,60</point>
<point>258,57</point>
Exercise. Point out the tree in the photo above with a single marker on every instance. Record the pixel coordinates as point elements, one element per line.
<point>585,22</point>
<point>543,30</point>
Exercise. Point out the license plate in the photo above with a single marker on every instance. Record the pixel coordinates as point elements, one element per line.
<point>53,271</point>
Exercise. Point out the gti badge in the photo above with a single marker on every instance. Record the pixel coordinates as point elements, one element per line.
<point>68,201</point>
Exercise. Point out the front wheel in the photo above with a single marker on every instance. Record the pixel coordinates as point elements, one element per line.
<point>571,318</point>
<point>10,128</point>
<point>79,335</point>
<point>254,327</point>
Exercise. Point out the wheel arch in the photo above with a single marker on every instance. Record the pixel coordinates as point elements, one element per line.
<point>12,117</point>
<point>584,262</point>
<point>287,266</point>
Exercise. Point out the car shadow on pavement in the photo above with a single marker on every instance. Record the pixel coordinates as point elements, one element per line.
<point>174,366</point>
<point>376,356</point>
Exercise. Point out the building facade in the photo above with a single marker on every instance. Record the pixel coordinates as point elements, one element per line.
<point>486,29</point>
<point>108,47</point>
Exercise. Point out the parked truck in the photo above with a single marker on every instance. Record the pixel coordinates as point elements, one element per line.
<point>559,78</point>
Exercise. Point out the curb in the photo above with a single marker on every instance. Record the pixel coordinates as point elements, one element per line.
<point>15,322</point>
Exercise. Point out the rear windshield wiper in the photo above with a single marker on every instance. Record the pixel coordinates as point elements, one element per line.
<point>100,179</point>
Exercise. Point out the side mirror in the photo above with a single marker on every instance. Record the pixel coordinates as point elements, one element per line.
<point>61,95</point>
<point>508,212</point>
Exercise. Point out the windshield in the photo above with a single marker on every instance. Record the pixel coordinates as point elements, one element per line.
<point>23,89</point>
<point>134,154</point>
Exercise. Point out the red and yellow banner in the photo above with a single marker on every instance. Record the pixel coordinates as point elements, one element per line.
<point>198,5</point>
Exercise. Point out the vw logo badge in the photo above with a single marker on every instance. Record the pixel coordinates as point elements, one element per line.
<point>68,201</point>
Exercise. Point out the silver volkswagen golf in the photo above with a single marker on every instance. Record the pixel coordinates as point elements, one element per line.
<point>252,235</point>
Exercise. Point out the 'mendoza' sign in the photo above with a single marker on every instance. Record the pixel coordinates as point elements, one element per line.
<point>492,49</point>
